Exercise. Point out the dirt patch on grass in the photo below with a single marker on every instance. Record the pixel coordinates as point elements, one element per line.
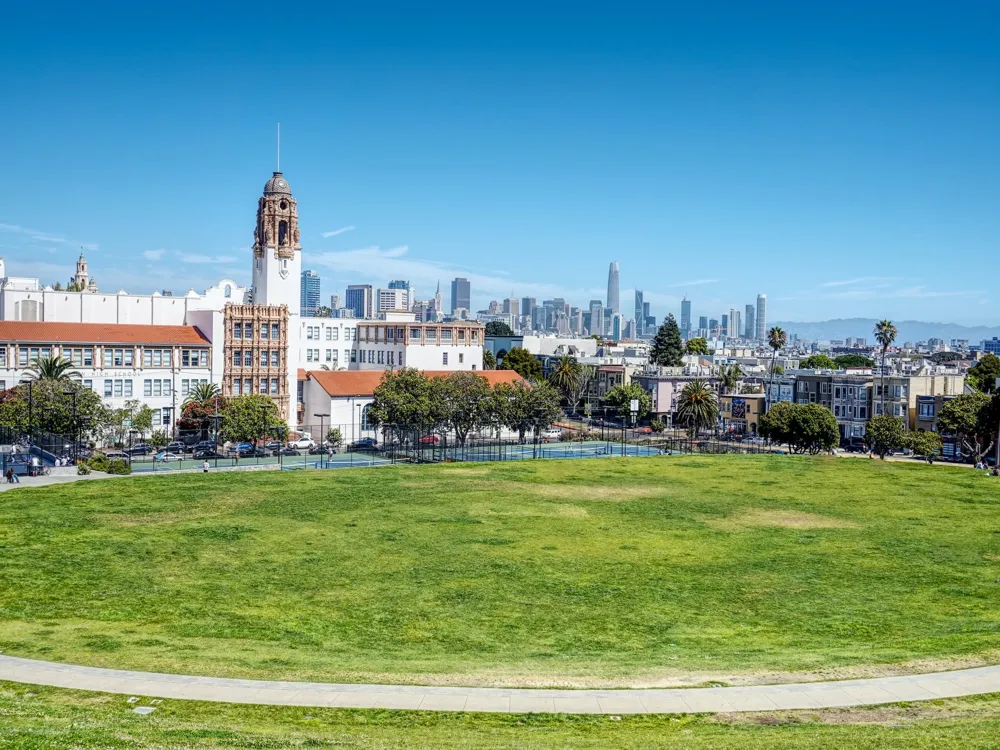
<point>589,492</point>
<point>210,507</point>
<point>545,510</point>
<point>784,519</point>
<point>464,471</point>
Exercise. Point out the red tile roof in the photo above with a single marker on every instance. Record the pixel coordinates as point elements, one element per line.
<point>339,383</point>
<point>98,333</point>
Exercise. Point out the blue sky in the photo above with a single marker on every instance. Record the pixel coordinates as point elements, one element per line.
<point>845,159</point>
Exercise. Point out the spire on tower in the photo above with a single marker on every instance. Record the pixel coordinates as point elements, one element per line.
<point>278,169</point>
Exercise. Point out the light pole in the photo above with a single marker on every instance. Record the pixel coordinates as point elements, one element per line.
<point>76,429</point>
<point>322,438</point>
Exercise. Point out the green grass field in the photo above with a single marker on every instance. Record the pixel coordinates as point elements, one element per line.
<point>591,572</point>
<point>33,718</point>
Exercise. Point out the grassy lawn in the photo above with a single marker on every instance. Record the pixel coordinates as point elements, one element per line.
<point>586,572</point>
<point>32,717</point>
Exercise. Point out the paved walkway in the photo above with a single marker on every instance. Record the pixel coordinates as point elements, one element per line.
<point>655,701</point>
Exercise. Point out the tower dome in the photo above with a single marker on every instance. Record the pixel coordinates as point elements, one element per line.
<point>277,185</point>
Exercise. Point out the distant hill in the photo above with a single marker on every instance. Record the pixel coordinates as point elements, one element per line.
<point>909,330</point>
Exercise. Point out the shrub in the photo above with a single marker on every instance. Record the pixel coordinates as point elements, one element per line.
<point>657,425</point>
<point>82,469</point>
<point>99,462</point>
<point>119,466</point>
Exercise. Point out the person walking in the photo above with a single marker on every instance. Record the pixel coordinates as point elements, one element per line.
<point>10,476</point>
<point>204,466</point>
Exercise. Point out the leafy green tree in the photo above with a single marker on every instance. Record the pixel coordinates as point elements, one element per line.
<point>852,360</point>
<point>817,362</point>
<point>402,401</point>
<point>249,418</point>
<point>498,328</point>
<point>972,419</point>
<point>697,345</point>
<point>884,433</point>
<point>806,428</point>
<point>523,363</point>
<point>489,360</point>
<point>983,375</point>
<point>778,370</point>
<point>776,424</point>
<point>203,393</point>
<point>200,407</point>
<point>580,387</point>
<point>729,377</point>
<point>667,349</point>
<point>697,406</point>
<point>323,312</point>
<point>334,437</point>
<point>885,334</point>
<point>142,419</point>
<point>464,402</point>
<point>522,407</point>
<point>159,439</point>
<point>47,405</point>
<point>564,376</point>
<point>924,443</point>
<point>620,397</point>
<point>52,368</point>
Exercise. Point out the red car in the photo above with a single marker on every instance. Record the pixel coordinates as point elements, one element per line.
<point>429,440</point>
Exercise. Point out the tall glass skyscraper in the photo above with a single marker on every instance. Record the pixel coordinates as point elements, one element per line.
<point>613,303</point>
<point>685,317</point>
<point>309,295</point>
<point>461,294</point>
<point>749,325</point>
<point>640,321</point>
<point>761,317</point>
<point>359,300</point>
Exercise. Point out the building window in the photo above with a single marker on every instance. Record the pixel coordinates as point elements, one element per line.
<point>444,358</point>
<point>185,387</point>
<point>147,387</point>
<point>236,388</point>
<point>415,333</point>
<point>329,334</point>
<point>166,415</point>
<point>203,358</point>
<point>108,358</point>
<point>157,387</point>
<point>185,357</point>
<point>329,355</point>
<point>108,386</point>
<point>128,389</point>
<point>274,386</point>
<point>274,358</point>
<point>365,413</point>
<point>354,355</point>
<point>446,334</point>
<point>247,358</point>
<point>392,357</point>
<point>927,411</point>
<point>129,353</point>
<point>237,357</point>
<point>863,412</point>
<point>247,386</point>
<point>263,331</point>
<point>248,330</point>
<point>88,357</point>
<point>334,334</point>
<point>461,335</point>
<point>88,384</point>
<point>371,356</point>
<point>263,359</point>
<point>237,330</point>
<point>381,357</point>
<point>263,386</point>
<point>274,331</point>
<point>118,388</point>
<point>430,334</point>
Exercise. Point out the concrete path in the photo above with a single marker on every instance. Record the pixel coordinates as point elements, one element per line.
<point>509,700</point>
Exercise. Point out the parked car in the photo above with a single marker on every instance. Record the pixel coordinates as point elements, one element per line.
<point>319,450</point>
<point>205,445</point>
<point>364,444</point>
<point>302,443</point>
<point>274,445</point>
<point>429,440</point>
<point>551,433</point>
<point>252,452</point>
<point>140,449</point>
<point>112,455</point>
<point>167,456</point>
<point>203,455</point>
<point>286,451</point>
<point>176,446</point>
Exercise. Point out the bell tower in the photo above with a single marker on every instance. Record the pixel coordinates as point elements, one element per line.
<point>277,254</point>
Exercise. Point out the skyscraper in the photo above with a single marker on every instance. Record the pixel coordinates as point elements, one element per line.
<point>527,306</point>
<point>596,318</point>
<point>639,320</point>
<point>461,294</point>
<point>359,300</point>
<point>511,306</point>
<point>734,330</point>
<point>309,293</point>
<point>613,303</point>
<point>749,326</point>
<point>761,317</point>
<point>685,317</point>
<point>407,299</point>
<point>703,321</point>
<point>724,328</point>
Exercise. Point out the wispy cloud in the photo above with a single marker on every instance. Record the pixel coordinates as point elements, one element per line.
<point>39,236</point>
<point>860,280</point>
<point>696,282</point>
<point>153,254</point>
<point>335,232</point>
<point>207,259</point>
<point>909,292</point>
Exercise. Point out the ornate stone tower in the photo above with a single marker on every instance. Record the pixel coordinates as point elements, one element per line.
<point>277,254</point>
<point>81,279</point>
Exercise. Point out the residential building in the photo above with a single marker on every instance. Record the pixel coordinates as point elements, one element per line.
<point>761,320</point>
<point>740,413</point>
<point>309,294</point>
<point>928,410</point>
<point>686,317</point>
<point>613,304</point>
<point>852,403</point>
<point>360,299</point>
<point>903,392</point>
<point>461,294</point>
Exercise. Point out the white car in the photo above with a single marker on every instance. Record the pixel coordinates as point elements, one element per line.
<point>169,457</point>
<point>551,433</point>
<point>302,444</point>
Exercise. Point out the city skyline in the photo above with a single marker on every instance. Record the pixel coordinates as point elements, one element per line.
<point>809,171</point>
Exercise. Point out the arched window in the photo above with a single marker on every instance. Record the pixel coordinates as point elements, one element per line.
<point>365,424</point>
<point>228,291</point>
<point>282,232</point>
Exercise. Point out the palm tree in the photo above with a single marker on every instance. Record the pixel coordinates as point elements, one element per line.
<point>729,377</point>
<point>885,334</point>
<point>52,368</point>
<point>698,406</point>
<point>565,376</point>
<point>776,339</point>
<point>202,393</point>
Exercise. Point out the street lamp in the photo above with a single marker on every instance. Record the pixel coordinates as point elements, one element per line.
<point>322,438</point>
<point>76,428</point>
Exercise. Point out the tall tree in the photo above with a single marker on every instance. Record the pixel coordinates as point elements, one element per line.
<point>522,407</point>
<point>52,368</point>
<point>48,405</point>
<point>564,375</point>
<point>697,406</point>
<point>465,399</point>
<point>498,328</point>
<point>805,427</point>
<point>983,375</point>
<point>698,345</point>
<point>250,418</point>
<point>489,360</point>
<point>523,362</point>
<point>667,349</point>
<point>884,433</point>
<point>621,397</point>
<point>729,377</point>
<point>202,408</point>
<point>973,419</point>
<point>581,386</point>
<point>852,360</point>
<point>885,334</point>
<point>776,339</point>
<point>402,401</point>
